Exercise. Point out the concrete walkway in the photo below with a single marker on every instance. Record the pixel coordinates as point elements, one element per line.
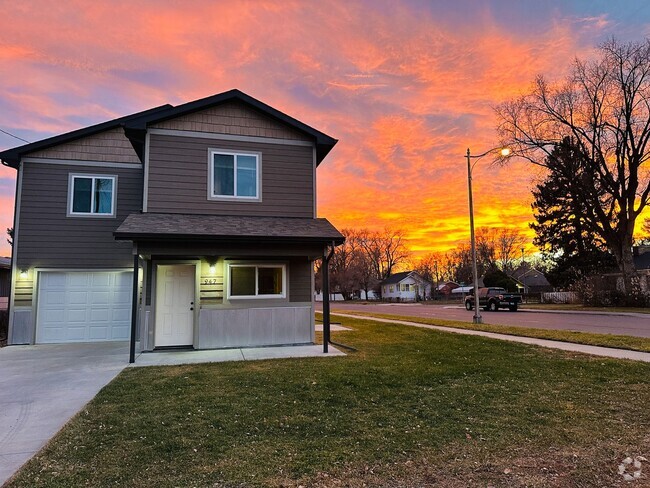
<point>42,387</point>
<point>173,358</point>
<point>564,346</point>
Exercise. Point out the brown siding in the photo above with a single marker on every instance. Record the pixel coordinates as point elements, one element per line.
<point>111,145</point>
<point>300,280</point>
<point>178,178</point>
<point>233,118</point>
<point>48,238</point>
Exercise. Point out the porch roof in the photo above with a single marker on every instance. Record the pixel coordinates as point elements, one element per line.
<point>168,226</point>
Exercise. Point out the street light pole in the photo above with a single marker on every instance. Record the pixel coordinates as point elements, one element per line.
<point>477,319</point>
<point>504,153</point>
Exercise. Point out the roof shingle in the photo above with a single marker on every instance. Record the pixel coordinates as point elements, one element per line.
<point>140,226</point>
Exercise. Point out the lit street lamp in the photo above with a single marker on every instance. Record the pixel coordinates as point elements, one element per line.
<point>503,152</point>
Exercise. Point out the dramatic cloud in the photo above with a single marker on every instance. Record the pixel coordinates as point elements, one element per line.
<point>406,87</point>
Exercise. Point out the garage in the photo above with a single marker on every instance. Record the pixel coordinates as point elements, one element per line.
<point>83,306</point>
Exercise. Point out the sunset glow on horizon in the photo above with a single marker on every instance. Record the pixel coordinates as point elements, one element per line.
<point>406,88</point>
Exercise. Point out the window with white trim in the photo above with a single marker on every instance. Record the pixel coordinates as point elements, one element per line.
<point>257,281</point>
<point>92,195</point>
<point>234,175</point>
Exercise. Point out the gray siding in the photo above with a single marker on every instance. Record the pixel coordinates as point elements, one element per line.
<point>111,145</point>
<point>178,178</point>
<point>233,118</point>
<point>48,238</point>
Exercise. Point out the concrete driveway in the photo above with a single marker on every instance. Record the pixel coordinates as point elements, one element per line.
<point>42,387</point>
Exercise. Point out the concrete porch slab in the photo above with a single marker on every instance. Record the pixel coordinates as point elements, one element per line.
<point>333,328</point>
<point>173,358</point>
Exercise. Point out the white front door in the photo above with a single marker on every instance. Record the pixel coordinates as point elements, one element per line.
<point>175,286</point>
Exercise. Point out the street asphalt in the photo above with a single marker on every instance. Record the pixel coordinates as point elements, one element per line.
<point>632,324</point>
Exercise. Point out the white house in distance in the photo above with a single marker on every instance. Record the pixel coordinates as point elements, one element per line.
<point>405,287</point>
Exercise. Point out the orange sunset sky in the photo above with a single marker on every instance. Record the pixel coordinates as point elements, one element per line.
<point>406,87</point>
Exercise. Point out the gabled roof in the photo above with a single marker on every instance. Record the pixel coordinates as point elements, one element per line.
<point>396,278</point>
<point>529,276</point>
<point>11,157</point>
<point>135,126</point>
<point>324,143</point>
<point>399,277</point>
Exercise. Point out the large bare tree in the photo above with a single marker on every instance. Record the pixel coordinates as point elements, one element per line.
<point>385,250</point>
<point>603,106</point>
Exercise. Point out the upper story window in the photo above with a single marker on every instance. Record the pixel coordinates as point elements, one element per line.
<point>92,195</point>
<point>234,175</point>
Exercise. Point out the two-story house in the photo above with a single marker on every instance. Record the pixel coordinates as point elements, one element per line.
<point>187,226</point>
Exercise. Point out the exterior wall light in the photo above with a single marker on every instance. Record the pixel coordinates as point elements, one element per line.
<point>23,273</point>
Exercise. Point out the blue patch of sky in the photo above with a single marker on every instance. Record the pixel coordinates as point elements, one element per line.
<point>528,17</point>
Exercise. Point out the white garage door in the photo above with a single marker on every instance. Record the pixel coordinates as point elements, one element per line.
<point>84,307</point>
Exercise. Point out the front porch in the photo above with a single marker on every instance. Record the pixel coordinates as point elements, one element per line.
<point>216,282</point>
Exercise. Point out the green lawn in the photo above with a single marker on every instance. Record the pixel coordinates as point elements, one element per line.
<point>607,340</point>
<point>412,407</point>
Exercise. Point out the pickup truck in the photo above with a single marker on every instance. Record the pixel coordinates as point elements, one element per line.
<point>493,299</point>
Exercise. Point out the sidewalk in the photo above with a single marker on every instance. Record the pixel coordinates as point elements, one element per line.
<point>564,346</point>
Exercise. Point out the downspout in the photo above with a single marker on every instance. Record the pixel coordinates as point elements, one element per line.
<point>324,269</point>
<point>134,304</point>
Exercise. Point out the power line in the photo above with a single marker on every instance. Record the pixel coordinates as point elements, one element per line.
<point>12,135</point>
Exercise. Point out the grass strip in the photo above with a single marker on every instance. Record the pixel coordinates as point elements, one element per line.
<point>607,340</point>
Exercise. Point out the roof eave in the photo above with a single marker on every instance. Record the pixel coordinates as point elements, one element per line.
<point>203,238</point>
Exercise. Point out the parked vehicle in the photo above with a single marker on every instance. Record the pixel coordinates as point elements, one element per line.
<point>493,299</point>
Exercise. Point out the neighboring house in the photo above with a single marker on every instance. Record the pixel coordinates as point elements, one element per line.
<point>407,286</point>
<point>212,203</point>
<point>532,280</point>
<point>446,288</point>
<point>5,282</point>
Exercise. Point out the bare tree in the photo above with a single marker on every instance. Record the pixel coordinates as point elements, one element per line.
<point>384,250</point>
<point>486,248</point>
<point>344,266</point>
<point>509,243</point>
<point>604,108</point>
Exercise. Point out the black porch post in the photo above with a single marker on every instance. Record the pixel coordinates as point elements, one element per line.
<point>325,275</point>
<point>134,306</point>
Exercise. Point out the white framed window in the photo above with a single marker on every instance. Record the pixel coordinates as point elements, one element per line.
<point>257,281</point>
<point>234,175</point>
<point>92,195</point>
